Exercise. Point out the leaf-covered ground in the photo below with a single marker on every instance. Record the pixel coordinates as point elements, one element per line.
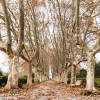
<point>49,90</point>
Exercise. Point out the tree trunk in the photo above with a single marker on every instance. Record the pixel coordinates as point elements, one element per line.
<point>9,81</point>
<point>73,75</point>
<point>29,74</point>
<point>90,86</point>
<point>35,77</point>
<point>64,77</point>
<point>12,81</point>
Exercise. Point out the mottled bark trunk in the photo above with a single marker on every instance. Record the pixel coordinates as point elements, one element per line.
<point>64,77</point>
<point>73,75</point>
<point>36,76</point>
<point>12,81</point>
<point>29,74</point>
<point>90,73</point>
<point>9,81</point>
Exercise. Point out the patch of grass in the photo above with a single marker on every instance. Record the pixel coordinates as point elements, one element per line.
<point>3,80</point>
<point>98,92</point>
<point>97,81</point>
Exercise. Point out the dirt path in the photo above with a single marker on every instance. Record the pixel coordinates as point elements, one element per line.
<point>49,90</point>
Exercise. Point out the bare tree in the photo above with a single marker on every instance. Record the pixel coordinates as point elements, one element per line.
<point>13,55</point>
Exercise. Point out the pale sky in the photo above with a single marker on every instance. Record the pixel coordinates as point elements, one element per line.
<point>3,62</point>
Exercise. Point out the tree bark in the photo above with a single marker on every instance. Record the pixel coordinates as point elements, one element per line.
<point>36,76</point>
<point>29,74</point>
<point>64,77</point>
<point>90,86</point>
<point>73,75</point>
<point>12,81</point>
